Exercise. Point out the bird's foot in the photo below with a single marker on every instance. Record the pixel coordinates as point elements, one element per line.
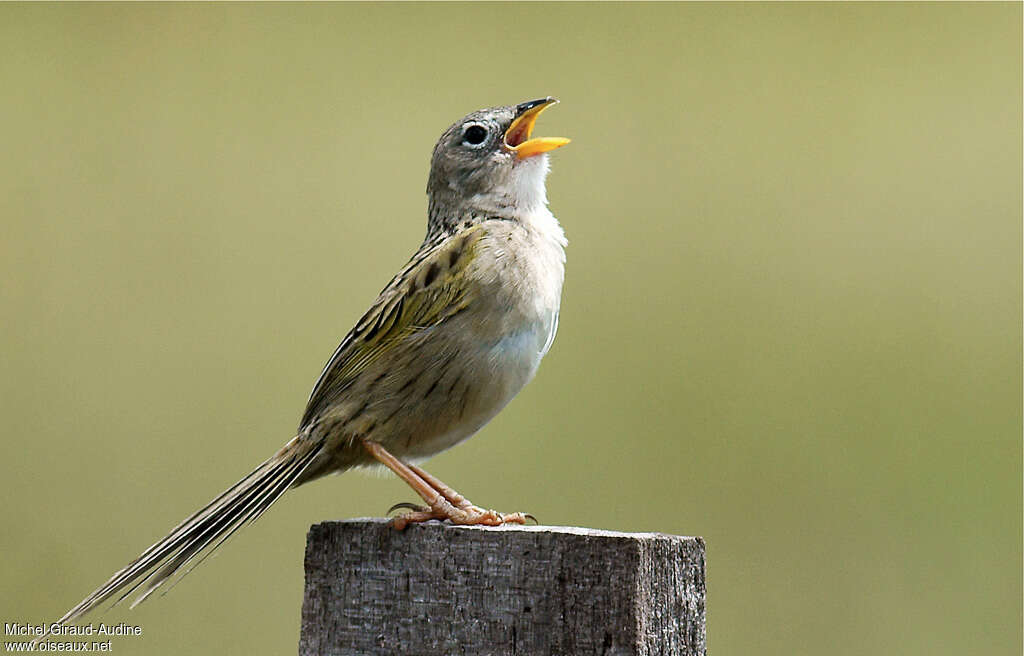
<point>442,502</point>
<point>465,515</point>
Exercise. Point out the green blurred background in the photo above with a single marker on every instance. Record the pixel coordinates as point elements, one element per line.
<point>791,320</point>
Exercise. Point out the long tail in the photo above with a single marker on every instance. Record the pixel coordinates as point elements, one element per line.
<point>206,529</point>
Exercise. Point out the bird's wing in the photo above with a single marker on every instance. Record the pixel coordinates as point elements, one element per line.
<point>428,291</point>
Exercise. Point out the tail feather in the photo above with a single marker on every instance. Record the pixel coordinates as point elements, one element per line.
<point>241,504</point>
<point>247,510</point>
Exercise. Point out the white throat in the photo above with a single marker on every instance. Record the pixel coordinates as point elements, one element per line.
<point>522,192</point>
<point>527,188</point>
<point>530,199</point>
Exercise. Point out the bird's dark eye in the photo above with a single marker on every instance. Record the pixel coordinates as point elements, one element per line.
<point>474,135</point>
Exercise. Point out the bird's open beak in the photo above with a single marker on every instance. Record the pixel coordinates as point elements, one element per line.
<point>517,137</point>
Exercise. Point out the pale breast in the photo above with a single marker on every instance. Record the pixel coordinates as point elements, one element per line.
<point>520,270</point>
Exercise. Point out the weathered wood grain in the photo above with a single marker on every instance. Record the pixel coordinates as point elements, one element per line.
<point>440,589</point>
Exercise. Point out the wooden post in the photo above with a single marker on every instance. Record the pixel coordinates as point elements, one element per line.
<point>440,589</point>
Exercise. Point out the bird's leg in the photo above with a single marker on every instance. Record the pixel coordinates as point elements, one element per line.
<point>448,493</point>
<point>462,502</point>
<point>442,501</point>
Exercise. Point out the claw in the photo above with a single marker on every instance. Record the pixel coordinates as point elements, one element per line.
<point>407,506</point>
<point>529,516</point>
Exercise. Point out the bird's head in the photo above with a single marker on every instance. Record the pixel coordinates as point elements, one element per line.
<point>487,162</point>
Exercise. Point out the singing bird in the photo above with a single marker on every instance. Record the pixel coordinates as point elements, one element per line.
<point>458,331</point>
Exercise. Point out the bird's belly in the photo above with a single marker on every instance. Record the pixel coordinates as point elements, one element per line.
<point>417,414</point>
<point>494,373</point>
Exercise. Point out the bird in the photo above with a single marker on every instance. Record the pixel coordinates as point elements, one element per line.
<point>451,339</point>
